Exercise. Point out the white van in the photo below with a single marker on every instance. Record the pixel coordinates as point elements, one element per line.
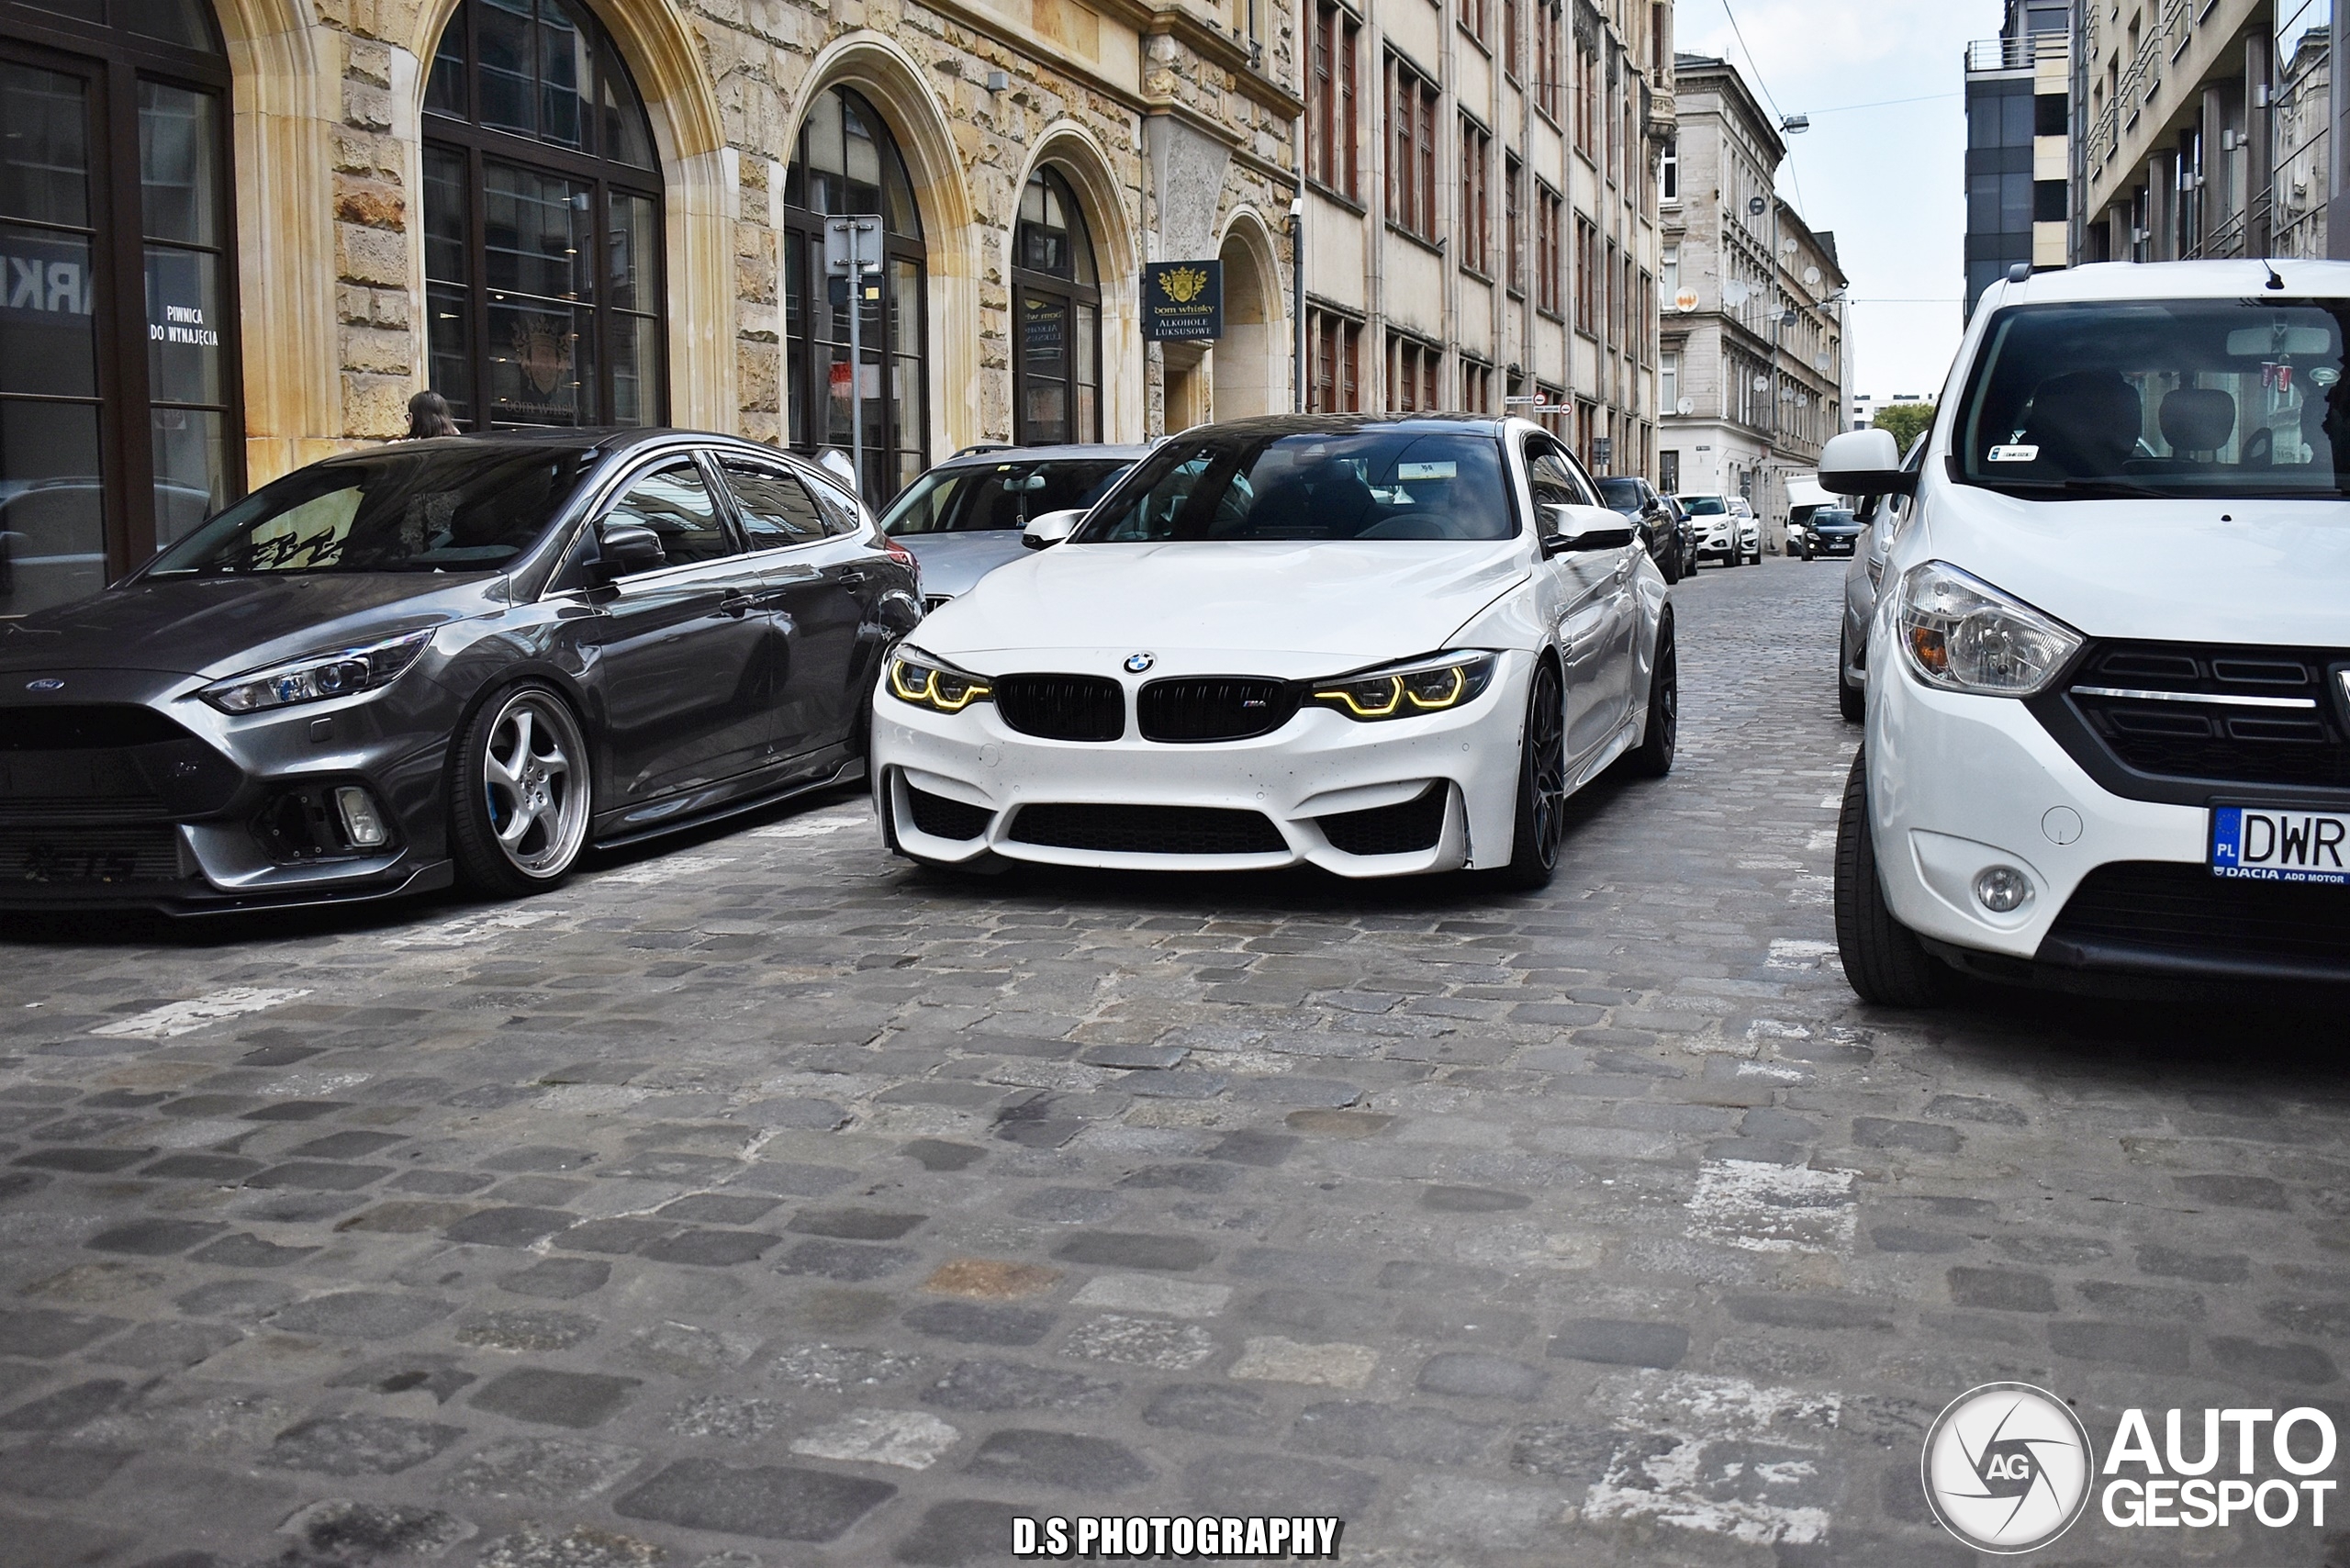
<point>2108,729</point>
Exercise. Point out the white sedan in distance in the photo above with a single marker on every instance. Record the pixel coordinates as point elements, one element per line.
<point>1382,646</point>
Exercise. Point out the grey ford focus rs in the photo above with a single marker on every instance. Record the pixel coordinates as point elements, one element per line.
<point>465,659</point>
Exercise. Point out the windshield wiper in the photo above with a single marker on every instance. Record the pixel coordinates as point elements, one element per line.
<point>2092,489</point>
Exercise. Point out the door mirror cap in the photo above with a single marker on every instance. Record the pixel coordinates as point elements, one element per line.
<point>1051,528</point>
<point>625,548</point>
<point>1864,463</point>
<point>1560,533</point>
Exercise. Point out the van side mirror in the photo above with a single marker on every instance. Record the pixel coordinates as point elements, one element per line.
<point>1864,463</point>
<point>1051,528</point>
<point>626,549</point>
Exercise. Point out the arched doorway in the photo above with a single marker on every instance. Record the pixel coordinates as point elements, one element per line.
<point>1057,309</point>
<point>1244,370</point>
<point>847,165</point>
<point>542,223</point>
<point>119,404</point>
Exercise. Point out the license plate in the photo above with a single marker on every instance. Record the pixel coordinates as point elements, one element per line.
<point>2266,843</point>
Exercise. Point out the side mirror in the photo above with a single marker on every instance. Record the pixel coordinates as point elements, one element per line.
<point>1051,528</point>
<point>627,548</point>
<point>1560,533</point>
<point>1864,463</point>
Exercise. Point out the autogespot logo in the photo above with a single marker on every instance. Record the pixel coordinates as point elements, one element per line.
<point>2008,1468</point>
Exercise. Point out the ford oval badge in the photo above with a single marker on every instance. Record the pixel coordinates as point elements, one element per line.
<point>1138,663</point>
<point>46,683</point>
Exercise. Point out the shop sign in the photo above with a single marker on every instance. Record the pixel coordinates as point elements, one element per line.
<point>1182,301</point>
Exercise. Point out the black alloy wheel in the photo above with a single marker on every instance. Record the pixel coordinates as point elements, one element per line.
<point>1541,822</point>
<point>1652,758</point>
<point>1882,958</point>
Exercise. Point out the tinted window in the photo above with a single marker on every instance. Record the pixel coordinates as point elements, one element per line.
<point>1704,506</point>
<point>446,510</point>
<point>839,511</point>
<point>673,502</point>
<point>1392,482</point>
<point>1624,495</point>
<point>1551,474</point>
<point>1002,495</point>
<point>775,506</point>
<point>2184,396</point>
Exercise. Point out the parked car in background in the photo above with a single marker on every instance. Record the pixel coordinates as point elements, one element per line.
<point>459,659</point>
<point>1636,499</point>
<point>2105,738</point>
<point>1381,646</point>
<point>1723,534</point>
<point>1882,518</point>
<point>1685,533</point>
<point>963,518</point>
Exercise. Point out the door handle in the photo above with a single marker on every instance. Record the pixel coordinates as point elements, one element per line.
<point>853,575</point>
<point>736,604</point>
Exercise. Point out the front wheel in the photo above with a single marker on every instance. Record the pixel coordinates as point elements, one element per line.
<point>1882,958</point>
<point>1851,701</point>
<point>1652,758</point>
<point>519,794</point>
<point>1541,820</point>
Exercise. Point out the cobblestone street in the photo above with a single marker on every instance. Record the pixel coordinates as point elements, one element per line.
<point>761,1201</point>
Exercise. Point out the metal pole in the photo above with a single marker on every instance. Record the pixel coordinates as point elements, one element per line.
<point>1297,297</point>
<point>856,350</point>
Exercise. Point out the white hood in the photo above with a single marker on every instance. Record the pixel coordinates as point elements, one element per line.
<point>2199,571</point>
<point>1343,604</point>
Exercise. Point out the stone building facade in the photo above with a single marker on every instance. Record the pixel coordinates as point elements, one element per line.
<point>593,211</point>
<point>1481,211</point>
<point>1754,329</point>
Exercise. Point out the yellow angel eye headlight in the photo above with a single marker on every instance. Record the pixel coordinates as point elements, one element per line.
<point>1424,686</point>
<point>940,689</point>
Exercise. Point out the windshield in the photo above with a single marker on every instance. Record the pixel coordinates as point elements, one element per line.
<point>1704,506</point>
<point>1390,482</point>
<point>1833,517</point>
<point>2163,397</point>
<point>1622,495</point>
<point>447,509</point>
<point>999,495</point>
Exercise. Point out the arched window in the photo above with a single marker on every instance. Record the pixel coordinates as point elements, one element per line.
<point>847,165</point>
<point>542,223</point>
<point>1057,294</point>
<point>120,424</point>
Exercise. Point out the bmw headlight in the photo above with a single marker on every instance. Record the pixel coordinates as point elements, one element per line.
<point>1960,633</point>
<point>1401,691</point>
<point>932,683</point>
<point>317,676</point>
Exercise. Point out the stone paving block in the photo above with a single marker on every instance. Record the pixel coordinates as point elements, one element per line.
<point>910,1440</point>
<point>613,1236</point>
<point>2146,1346</point>
<point>1468,1375</point>
<point>38,1331</point>
<point>936,1154</point>
<point>2218,1269</point>
<point>2234,1191</point>
<point>165,1346</point>
<point>1064,1460</point>
<point>710,1248</point>
<point>521,1331</point>
<point>555,1398</point>
<point>1140,1342</point>
<point>1268,1484</point>
<point>847,1260</point>
<point>58,1473</point>
<point>770,1502</point>
<point>537,1545</point>
<point>359,1444</point>
<point>243,1250</point>
<point>365,1314</point>
<point>2002,1290</point>
<point>517,1225</point>
<point>1000,1386</point>
<point>224,1168</point>
<point>1273,1359</point>
<point>854,1225</point>
<point>344,1527</point>
<point>1470,1199</point>
<point>1622,1342</point>
<point>2273,1363</point>
<point>988,1279</point>
<point>952,1533</point>
<point>558,1278</point>
<point>716,1208</point>
<point>1118,1250</point>
<point>1147,1292</point>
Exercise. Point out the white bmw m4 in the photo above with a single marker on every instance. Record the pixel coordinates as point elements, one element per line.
<point>1382,646</point>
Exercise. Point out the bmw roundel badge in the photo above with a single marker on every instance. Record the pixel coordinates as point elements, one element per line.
<point>46,683</point>
<point>1138,663</point>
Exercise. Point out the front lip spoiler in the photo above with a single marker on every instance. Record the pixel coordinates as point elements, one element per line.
<point>2125,968</point>
<point>179,902</point>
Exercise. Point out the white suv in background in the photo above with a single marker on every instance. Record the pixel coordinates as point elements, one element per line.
<point>1727,531</point>
<point>2108,731</point>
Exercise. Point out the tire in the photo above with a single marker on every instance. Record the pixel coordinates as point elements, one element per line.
<point>1671,567</point>
<point>520,793</point>
<point>1652,758</point>
<point>1541,819</point>
<point>1852,702</point>
<point>1882,958</point>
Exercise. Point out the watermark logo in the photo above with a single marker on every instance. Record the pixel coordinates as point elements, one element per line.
<point>2008,1468</point>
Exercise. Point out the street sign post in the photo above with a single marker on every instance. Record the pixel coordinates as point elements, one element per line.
<point>852,250</point>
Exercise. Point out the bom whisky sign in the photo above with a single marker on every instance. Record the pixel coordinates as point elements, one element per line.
<point>1183,301</point>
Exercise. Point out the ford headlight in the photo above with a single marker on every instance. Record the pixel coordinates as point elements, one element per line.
<point>932,683</point>
<point>1960,633</point>
<point>317,676</point>
<point>1402,692</point>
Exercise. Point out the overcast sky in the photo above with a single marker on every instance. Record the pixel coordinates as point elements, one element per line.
<point>1889,180</point>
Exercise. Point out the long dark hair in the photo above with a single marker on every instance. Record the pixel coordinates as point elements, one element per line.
<point>428,415</point>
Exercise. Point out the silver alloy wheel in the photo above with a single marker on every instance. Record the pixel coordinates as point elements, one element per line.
<point>534,782</point>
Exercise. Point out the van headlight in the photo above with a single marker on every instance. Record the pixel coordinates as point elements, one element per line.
<point>933,683</point>
<point>1401,691</point>
<point>1959,632</point>
<point>317,676</point>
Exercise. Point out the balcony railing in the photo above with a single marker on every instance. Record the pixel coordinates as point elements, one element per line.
<point>2016,53</point>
